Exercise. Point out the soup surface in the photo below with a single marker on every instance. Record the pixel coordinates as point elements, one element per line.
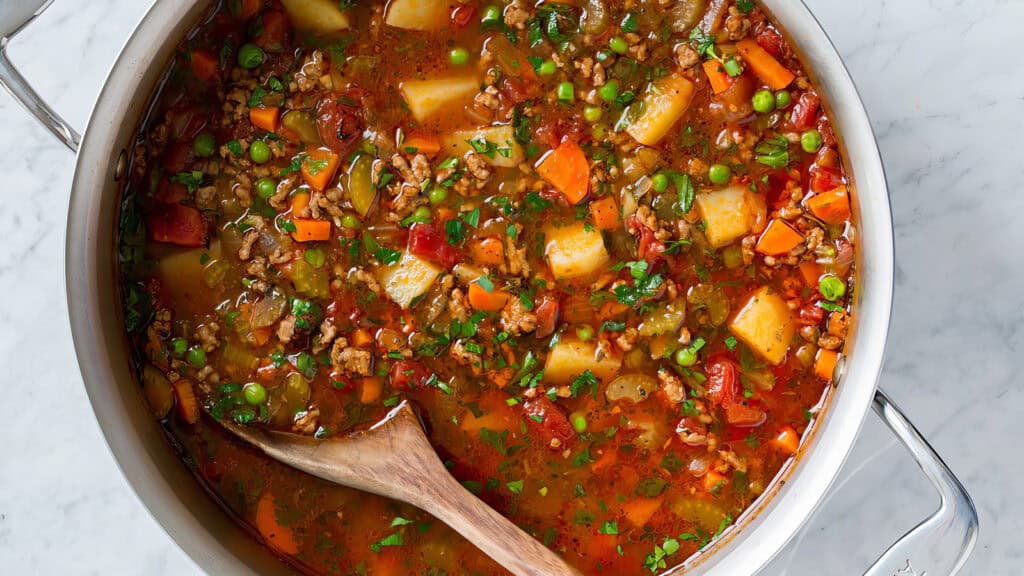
<point>604,247</point>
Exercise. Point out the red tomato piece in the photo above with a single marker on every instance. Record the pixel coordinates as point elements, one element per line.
<point>170,193</point>
<point>805,111</point>
<point>547,317</point>
<point>276,32</point>
<point>825,179</point>
<point>771,41</point>
<point>177,224</point>
<point>723,376</point>
<point>430,242</point>
<point>339,121</point>
<point>408,375</point>
<point>547,420</point>
<point>744,416</point>
<point>463,15</point>
<point>649,248</point>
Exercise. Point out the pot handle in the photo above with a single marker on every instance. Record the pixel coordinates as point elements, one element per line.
<point>941,544</point>
<point>15,15</point>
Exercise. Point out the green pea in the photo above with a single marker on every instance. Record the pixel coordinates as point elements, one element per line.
<point>459,56</point>
<point>764,102</point>
<point>546,68</point>
<point>585,332</point>
<point>204,145</point>
<point>810,141</point>
<point>660,182</point>
<point>350,221</point>
<point>438,194</point>
<point>599,131</point>
<point>491,16</point>
<point>259,151</point>
<point>592,113</point>
<point>719,174</point>
<point>610,91</point>
<point>179,346</point>
<point>618,45</point>
<point>265,188</point>
<point>686,356</point>
<point>832,288</point>
<point>315,257</point>
<point>783,99</point>
<point>255,394</point>
<point>566,91</point>
<point>250,56</point>
<point>422,214</point>
<point>196,356</point>
<point>579,422</point>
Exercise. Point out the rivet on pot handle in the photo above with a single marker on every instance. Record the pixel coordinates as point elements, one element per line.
<point>17,14</point>
<point>941,544</point>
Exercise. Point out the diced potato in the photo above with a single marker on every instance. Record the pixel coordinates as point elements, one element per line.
<point>317,15</point>
<point>180,270</point>
<point>508,153</point>
<point>427,97</point>
<point>661,107</point>
<point>418,14</point>
<point>730,214</point>
<point>765,324</point>
<point>575,251</point>
<point>570,358</point>
<point>408,279</point>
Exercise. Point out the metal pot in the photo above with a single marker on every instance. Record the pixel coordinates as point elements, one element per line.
<point>939,545</point>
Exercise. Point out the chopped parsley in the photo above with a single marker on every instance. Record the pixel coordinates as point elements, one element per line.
<point>773,152</point>
<point>190,180</point>
<point>386,256</point>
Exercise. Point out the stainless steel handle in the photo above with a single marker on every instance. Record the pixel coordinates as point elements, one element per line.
<point>941,544</point>
<point>15,15</point>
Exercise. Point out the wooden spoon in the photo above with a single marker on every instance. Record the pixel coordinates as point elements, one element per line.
<point>394,459</point>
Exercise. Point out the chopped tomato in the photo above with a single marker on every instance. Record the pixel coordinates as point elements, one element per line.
<point>463,15</point>
<point>408,375</point>
<point>771,41</point>
<point>547,317</point>
<point>276,31</point>
<point>339,120</point>
<point>805,111</point>
<point>170,193</point>
<point>723,376</point>
<point>744,416</point>
<point>177,224</point>
<point>429,241</point>
<point>204,65</point>
<point>547,420</point>
<point>648,248</point>
<point>824,179</point>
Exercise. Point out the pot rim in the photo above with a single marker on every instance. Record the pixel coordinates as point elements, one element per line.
<point>213,540</point>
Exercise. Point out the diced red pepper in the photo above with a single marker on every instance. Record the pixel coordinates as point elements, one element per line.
<point>177,224</point>
<point>547,420</point>
<point>430,242</point>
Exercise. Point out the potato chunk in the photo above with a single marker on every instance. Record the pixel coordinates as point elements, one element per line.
<point>570,358</point>
<point>418,14</point>
<point>661,107</point>
<point>765,324</point>
<point>410,278</point>
<point>316,15</point>
<point>730,214</point>
<point>507,152</point>
<point>575,251</point>
<point>427,97</point>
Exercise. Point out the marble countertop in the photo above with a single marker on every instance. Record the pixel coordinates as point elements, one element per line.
<point>947,104</point>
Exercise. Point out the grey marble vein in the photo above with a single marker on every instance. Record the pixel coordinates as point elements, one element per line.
<point>946,99</point>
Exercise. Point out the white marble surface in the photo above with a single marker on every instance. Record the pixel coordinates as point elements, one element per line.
<point>947,101</point>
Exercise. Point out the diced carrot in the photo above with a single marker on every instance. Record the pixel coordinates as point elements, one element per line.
<point>298,203</point>
<point>787,440</point>
<point>639,511</point>
<point>832,207</point>
<point>568,170</point>
<point>481,299</point>
<point>428,144</point>
<point>605,212</point>
<point>204,65</point>
<point>609,457</point>
<point>764,64</point>
<point>488,251</point>
<point>319,167</point>
<point>825,363</point>
<point>717,76</point>
<point>361,338</point>
<point>278,537</point>
<point>262,335</point>
<point>810,272</point>
<point>742,415</point>
<point>779,238</point>
<point>371,389</point>
<point>713,481</point>
<point>307,230</point>
<point>188,405</point>
<point>265,117</point>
